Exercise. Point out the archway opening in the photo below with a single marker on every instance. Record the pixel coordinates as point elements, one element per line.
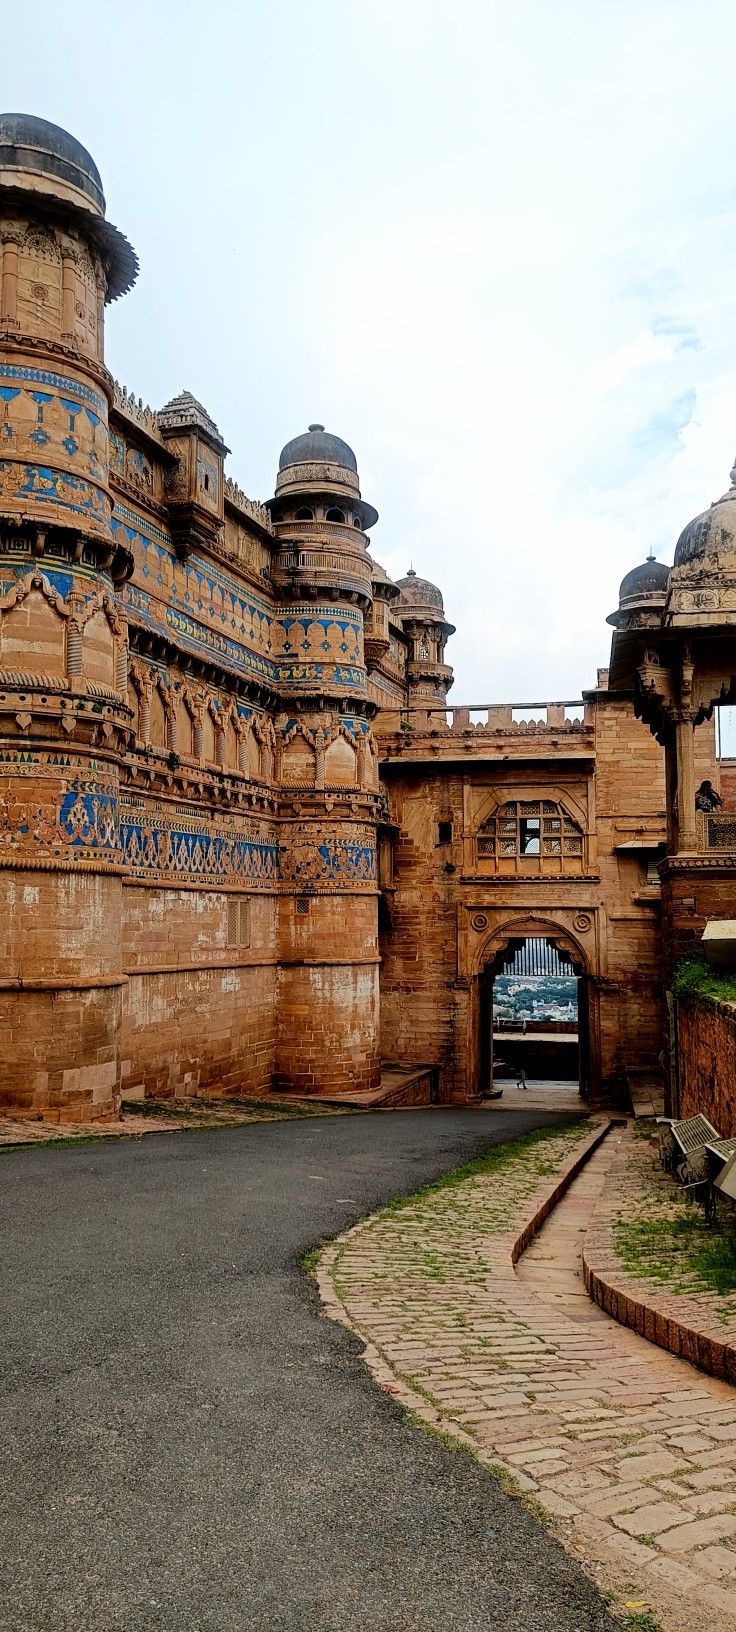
<point>534,1019</point>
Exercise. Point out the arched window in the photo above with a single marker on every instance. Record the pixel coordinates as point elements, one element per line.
<point>333,514</point>
<point>530,827</point>
<point>304,514</point>
<point>357,523</point>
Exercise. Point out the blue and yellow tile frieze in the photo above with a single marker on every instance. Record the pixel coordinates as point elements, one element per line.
<point>176,846</point>
<point>58,809</point>
<point>53,445</point>
<point>211,612</point>
<point>23,487</point>
<point>338,856</point>
<point>63,810</point>
<point>25,378</point>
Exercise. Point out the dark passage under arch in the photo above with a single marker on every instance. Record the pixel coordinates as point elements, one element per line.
<point>534,1015</point>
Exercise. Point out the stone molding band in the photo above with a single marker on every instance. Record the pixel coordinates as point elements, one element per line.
<point>91,983</point>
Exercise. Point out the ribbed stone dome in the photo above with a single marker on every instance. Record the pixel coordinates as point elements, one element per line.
<point>318,447</point>
<point>649,578</point>
<point>28,143</point>
<point>418,592</point>
<point>711,534</point>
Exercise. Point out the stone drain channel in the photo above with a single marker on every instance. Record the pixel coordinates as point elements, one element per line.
<point>552,1266</point>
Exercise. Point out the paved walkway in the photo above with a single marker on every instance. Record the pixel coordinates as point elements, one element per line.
<point>630,1450</point>
<point>537,1096</point>
<point>187,1445</point>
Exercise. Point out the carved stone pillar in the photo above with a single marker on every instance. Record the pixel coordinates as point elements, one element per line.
<point>686,831</point>
<point>68,293</point>
<point>144,718</point>
<point>9,290</point>
<point>266,762</point>
<point>73,648</point>
<point>361,762</point>
<point>319,760</point>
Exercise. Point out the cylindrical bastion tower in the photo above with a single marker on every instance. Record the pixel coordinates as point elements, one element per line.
<point>63,712</point>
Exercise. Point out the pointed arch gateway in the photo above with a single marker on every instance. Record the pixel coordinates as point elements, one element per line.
<point>529,949</point>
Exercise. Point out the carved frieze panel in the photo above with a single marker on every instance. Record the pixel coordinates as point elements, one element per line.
<point>329,855</point>
<point>179,844</point>
<point>57,810</point>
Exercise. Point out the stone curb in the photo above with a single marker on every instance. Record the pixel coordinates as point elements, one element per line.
<point>391,1381</point>
<point>561,1186</point>
<point>620,1299</point>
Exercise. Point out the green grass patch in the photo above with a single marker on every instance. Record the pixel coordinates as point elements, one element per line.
<point>695,978</point>
<point>522,1150</point>
<point>309,1261</point>
<point>683,1252</point>
<point>198,1108</point>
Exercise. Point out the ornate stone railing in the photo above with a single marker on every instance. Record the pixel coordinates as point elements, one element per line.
<point>529,717</point>
<point>718,830</point>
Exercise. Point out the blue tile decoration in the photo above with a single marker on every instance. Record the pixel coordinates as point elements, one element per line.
<point>193,854</point>
<point>60,382</point>
<point>329,857</point>
<point>58,808</point>
<point>89,817</point>
<point>46,486</point>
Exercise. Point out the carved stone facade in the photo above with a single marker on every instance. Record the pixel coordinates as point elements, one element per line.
<point>226,752</point>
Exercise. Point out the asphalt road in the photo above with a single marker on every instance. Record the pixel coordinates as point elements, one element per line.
<point>189,1446</point>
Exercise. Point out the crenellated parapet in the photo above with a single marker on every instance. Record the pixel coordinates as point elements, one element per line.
<point>249,508</point>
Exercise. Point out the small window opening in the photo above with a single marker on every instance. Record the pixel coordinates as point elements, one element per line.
<point>444,832</point>
<point>305,514</point>
<point>333,514</point>
<point>529,836</point>
<point>206,484</point>
<point>238,922</point>
<point>302,905</point>
<point>356,523</point>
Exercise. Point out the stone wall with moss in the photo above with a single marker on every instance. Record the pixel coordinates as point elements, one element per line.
<point>706,1044</point>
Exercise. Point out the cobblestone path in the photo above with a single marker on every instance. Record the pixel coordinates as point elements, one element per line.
<point>629,1450</point>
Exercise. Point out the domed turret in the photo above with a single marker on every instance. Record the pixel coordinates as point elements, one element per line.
<point>422,613</point>
<point>646,582</point>
<point>38,158</point>
<point>60,262</point>
<point>419,594</point>
<point>711,534</point>
<point>642,595</point>
<point>318,481</point>
<point>316,446</point>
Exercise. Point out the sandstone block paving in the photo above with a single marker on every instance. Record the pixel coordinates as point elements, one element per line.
<point>629,1450</point>
<point>672,1304</point>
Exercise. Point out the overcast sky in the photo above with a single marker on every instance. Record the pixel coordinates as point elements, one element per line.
<point>491,245</point>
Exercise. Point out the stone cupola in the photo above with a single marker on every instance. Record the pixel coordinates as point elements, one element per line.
<point>422,614</point>
<point>195,486</point>
<point>320,520</point>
